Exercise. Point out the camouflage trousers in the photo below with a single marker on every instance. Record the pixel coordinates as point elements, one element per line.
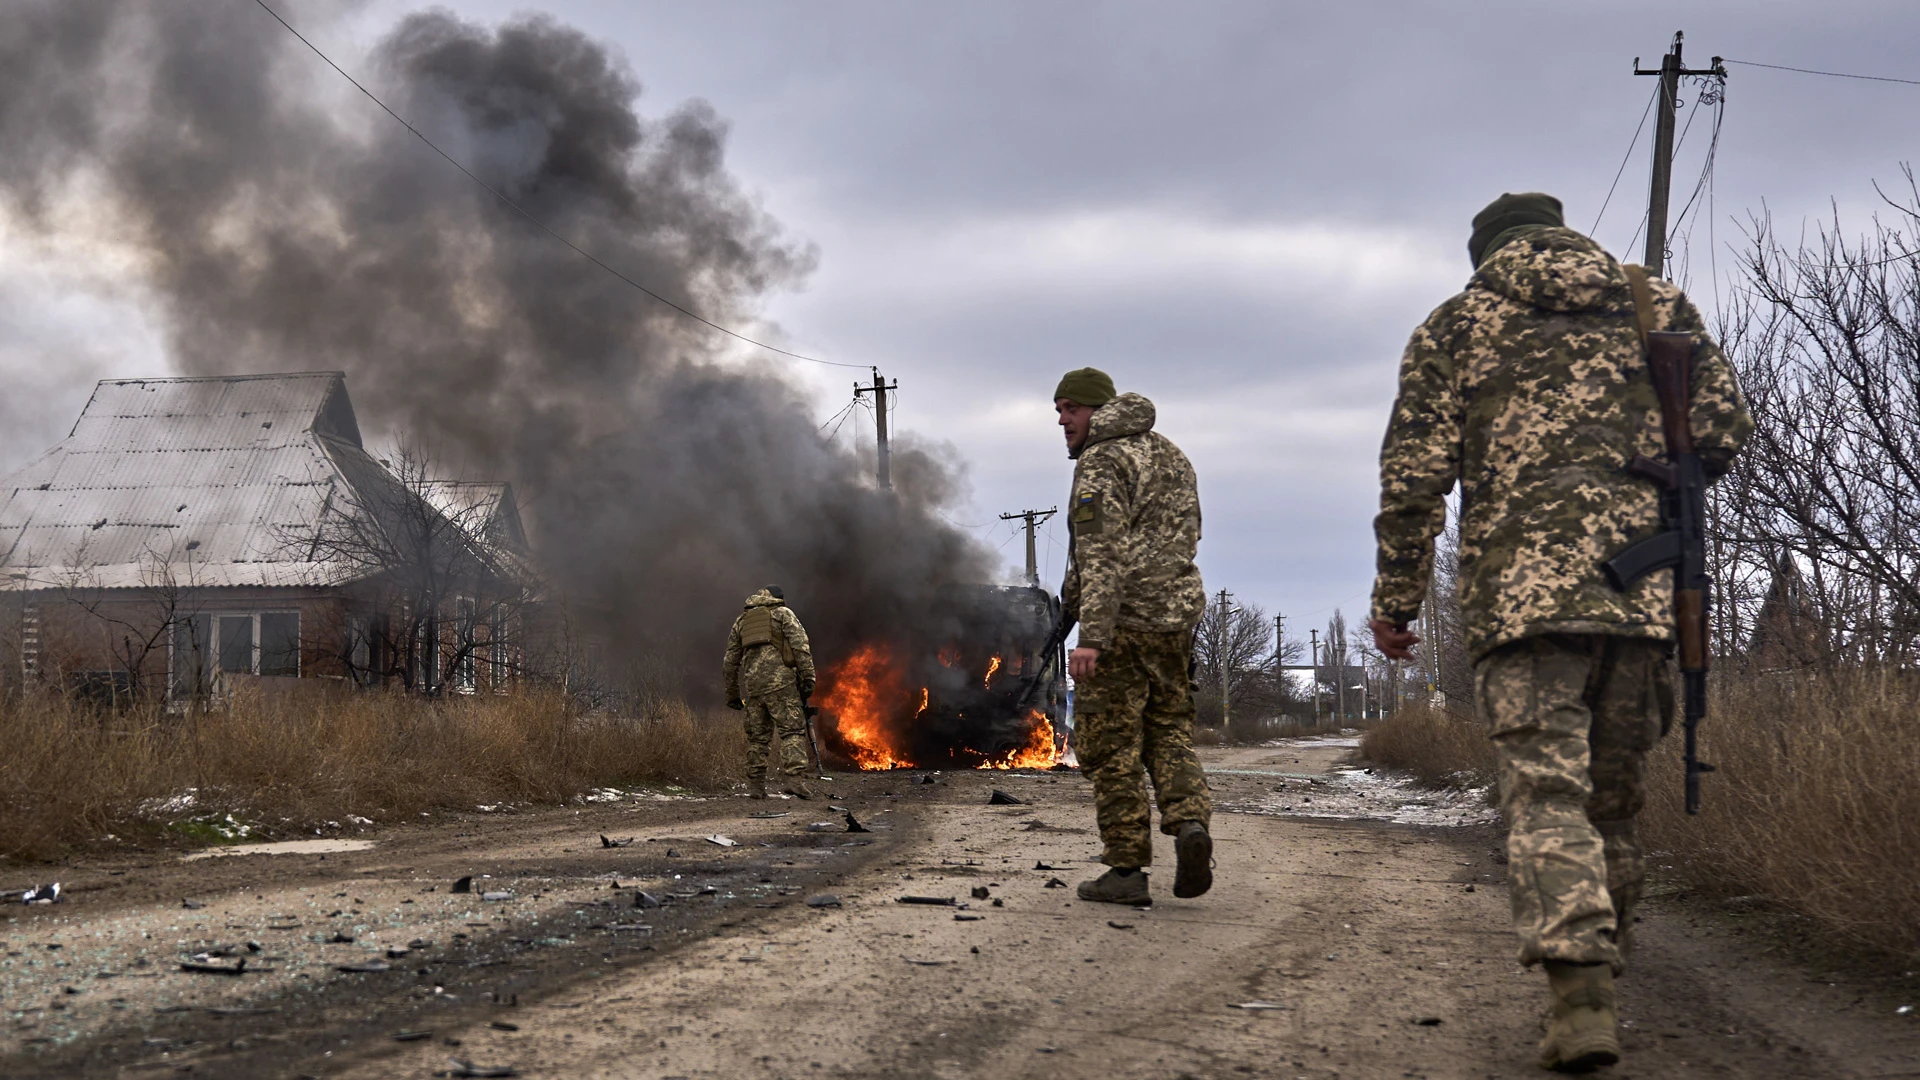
<point>776,714</point>
<point>1572,717</point>
<point>1137,710</point>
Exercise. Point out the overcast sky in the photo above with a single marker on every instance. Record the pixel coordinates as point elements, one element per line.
<point>1239,210</point>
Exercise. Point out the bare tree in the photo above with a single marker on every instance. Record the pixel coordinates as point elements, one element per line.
<point>1826,338</point>
<point>1233,650</point>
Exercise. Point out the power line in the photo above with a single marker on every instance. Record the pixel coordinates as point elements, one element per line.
<point>1631,143</point>
<point>1829,74</point>
<point>516,208</point>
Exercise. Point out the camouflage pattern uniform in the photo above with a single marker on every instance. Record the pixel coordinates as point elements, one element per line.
<point>759,677</point>
<point>1530,389</point>
<point>1134,520</point>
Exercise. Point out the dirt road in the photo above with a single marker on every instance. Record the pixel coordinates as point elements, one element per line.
<point>1369,948</point>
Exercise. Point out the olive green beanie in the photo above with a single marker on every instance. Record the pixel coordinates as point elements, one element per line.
<point>1507,213</point>
<point>1086,386</point>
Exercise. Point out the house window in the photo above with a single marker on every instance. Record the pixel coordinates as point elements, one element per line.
<point>236,635</point>
<point>280,643</point>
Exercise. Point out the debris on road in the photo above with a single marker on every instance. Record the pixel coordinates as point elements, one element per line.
<point>406,1035</point>
<point>926,963</point>
<point>932,901</point>
<point>980,892</point>
<point>608,842</point>
<point>1428,1021</point>
<point>502,1025</point>
<point>468,1068</point>
<point>723,841</point>
<point>929,778</point>
<point>464,885</point>
<point>41,894</point>
<point>339,939</point>
<point>853,824</point>
<point>1001,798</point>
<point>968,918</point>
<point>824,900</point>
<point>1120,925</point>
<point>1055,883</point>
<point>768,815</point>
<point>192,905</point>
<point>644,899</point>
<point>1256,1006</point>
<point>370,967</point>
<point>212,967</point>
<point>501,895</point>
<point>824,826</point>
<point>1044,866</point>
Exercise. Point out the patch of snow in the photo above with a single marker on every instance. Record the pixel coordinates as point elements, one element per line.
<point>1358,795</point>
<point>284,847</point>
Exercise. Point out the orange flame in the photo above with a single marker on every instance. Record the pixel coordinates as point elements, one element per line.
<point>923,703</point>
<point>991,668</point>
<point>862,693</point>
<point>1038,753</point>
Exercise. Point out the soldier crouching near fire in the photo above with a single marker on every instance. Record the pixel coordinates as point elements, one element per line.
<point>1134,522</point>
<point>769,673</point>
<point>1531,388</point>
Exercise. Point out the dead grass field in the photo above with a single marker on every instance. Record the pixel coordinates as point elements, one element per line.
<point>1815,809</point>
<point>1814,812</point>
<point>1439,748</point>
<point>71,775</point>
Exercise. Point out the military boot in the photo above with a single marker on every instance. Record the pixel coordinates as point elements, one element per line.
<point>1113,887</point>
<point>1194,848</point>
<point>798,788</point>
<point>756,787</point>
<point>1580,1034</point>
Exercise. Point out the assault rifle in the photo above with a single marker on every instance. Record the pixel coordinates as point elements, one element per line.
<point>808,712</point>
<point>1683,545</point>
<point>1050,651</point>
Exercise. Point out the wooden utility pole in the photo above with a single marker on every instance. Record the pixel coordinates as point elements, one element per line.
<point>1223,648</point>
<point>879,391</point>
<point>1033,518</point>
<point>1670,71</point>
<point>1314,634</point>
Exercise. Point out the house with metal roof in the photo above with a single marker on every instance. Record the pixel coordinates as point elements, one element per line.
<point>192,531</point>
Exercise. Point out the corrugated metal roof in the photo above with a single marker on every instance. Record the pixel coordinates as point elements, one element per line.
<point>206,481</point>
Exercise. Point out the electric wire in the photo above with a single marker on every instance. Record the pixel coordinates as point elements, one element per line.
<point>1828,74</point>
<point>541,225</point>
<point>1631,145</point>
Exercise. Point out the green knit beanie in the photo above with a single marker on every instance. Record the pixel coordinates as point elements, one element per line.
<point>1507,213</point>
<point>1086,386</point>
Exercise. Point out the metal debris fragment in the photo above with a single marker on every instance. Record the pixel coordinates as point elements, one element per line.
<point>932,901</point>
<point>1256,1006</point>
<point>853,824</point>
<point>723,841</point>
<point>608,842</point>
<point>464,885</point>
<point>1001,798</point>
<point>824,900</point>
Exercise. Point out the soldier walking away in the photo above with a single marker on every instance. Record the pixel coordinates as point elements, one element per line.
<point>1531,389</point>
<point>769,674</point>
<point>1134,523</point>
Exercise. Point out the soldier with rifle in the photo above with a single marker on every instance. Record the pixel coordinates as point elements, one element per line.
<point>1544,390</point>
<point>769,674</point>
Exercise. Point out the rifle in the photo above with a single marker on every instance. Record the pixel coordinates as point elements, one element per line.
<point>808,712</point>
<point>1683,545</point>
<point>1050,650</point>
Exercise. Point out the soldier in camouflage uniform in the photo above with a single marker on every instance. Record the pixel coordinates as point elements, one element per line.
<point>1134,519</point>
<point>769,674</point>
<point>1530,389</point>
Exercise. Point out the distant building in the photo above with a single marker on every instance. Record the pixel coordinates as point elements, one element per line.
<point>189,534</point>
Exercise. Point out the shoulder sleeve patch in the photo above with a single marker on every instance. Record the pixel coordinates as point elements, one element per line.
<point>1087,516</point>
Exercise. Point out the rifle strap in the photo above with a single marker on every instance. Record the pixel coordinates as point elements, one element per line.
<point>1642,301</point>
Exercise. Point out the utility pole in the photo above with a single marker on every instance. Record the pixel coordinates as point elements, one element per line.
<point>1314,634</point>
<point>1033,518</point>
<point>1670,71</point>
<point>879,391</point>
<point>1223,647</point>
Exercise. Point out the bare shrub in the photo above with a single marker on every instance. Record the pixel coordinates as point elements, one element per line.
<point>291,762</point>
<point>1437,747</point>
<point>1813,807</point>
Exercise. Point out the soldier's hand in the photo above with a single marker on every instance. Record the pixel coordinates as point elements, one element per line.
<point>806,688</point>
<point>1080,662</point>
<point>1393,640</point>
<point>735,703</point>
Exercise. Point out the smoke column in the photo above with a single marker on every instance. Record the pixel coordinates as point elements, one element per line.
<point>281,223</point>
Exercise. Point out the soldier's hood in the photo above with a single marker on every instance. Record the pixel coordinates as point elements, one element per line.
<point>763,598</point>
<point>1557,269</point>
<point>1128,414</point>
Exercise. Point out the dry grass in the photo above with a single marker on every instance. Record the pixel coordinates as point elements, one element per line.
<point>1815,807</point>
<point>1439,748</point>
<point>71,775</point>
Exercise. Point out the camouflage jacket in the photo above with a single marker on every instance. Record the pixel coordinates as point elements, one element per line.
<point>1531,390</point>
<point>1134,520</point>
<point>760,669</point>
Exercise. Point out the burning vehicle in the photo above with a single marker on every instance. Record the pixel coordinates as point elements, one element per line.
<point>989,693</point>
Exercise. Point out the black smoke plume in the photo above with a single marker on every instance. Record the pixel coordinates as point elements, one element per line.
<point>280,222</point>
